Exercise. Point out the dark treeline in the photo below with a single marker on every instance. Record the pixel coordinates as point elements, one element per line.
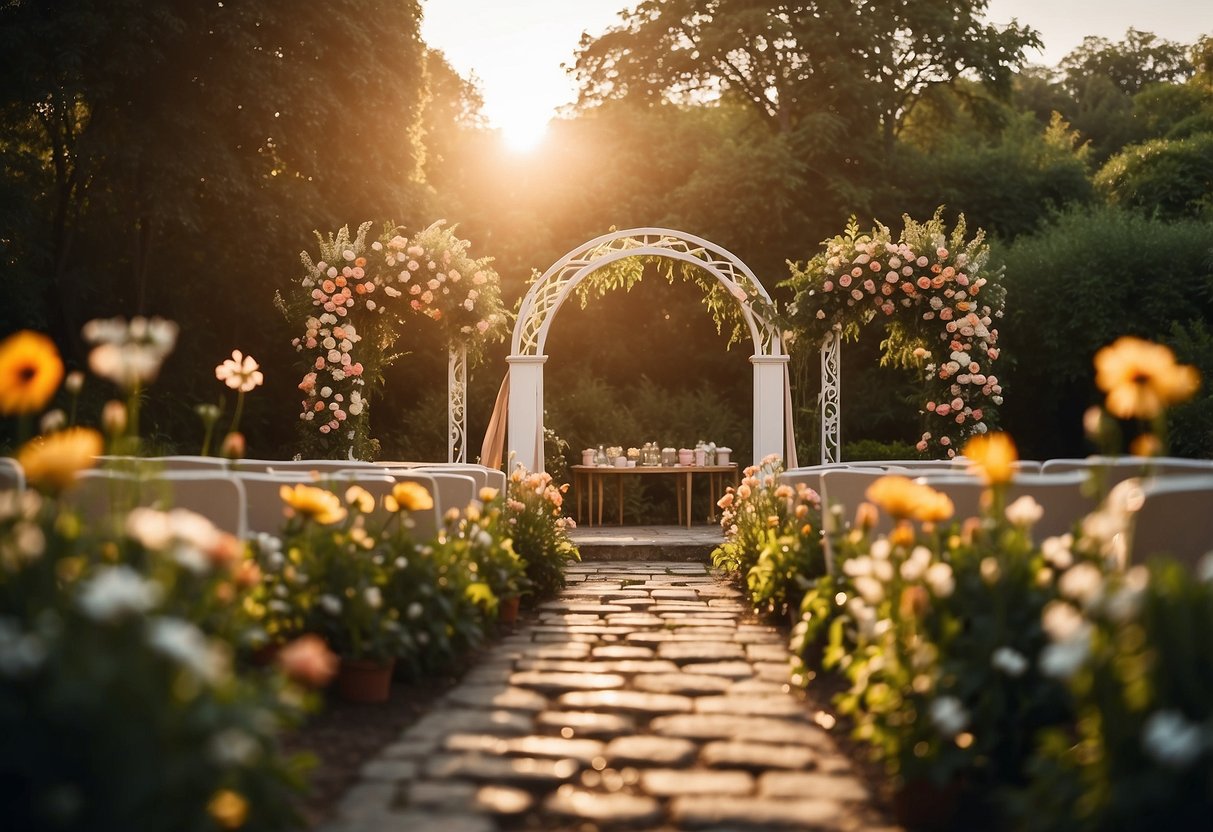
<point>173,159</point>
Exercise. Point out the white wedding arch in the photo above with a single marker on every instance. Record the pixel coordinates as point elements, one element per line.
<point>772,402</point>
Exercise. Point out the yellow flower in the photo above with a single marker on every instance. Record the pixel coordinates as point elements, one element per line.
<point>1141,378</point>
<point>896,495</point>
<point>488,494</point>
<point>409,496</point>
<point>933,506</point>
<point>993,456</point>
<point>30,372</point>
<point>903,498</point>
<point>324,507</point>
<point>228,808</point>
<point>358,497</point>
<point>53,461</point>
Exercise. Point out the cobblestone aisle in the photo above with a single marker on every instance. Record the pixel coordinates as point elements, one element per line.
<point>639,700</point>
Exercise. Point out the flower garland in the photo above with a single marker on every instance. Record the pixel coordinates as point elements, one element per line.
<point>446,285</point>
<point>940,302</point>
<point>352,307</point>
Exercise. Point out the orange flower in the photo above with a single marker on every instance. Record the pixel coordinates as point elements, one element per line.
<point>324,507</point>
<point>409,496</point>
<point>53,461</point>
<point>308,660</point>
<point>1141,378</point>
<point>903,498</point>
<point>30,372</point>
<point>993,456</point>
<point>228,809</point>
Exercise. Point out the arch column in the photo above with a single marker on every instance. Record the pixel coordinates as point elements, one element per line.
<point>525,421</point>
<point>769,376</point>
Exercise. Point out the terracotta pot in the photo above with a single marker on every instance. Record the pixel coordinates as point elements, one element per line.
<point>925,804</point>
<point>365,680</point>
<point>507,610</point>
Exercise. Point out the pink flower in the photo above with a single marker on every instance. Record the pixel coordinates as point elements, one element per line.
<point>856,272</point>
<point>828,286</point>
<point>856,294</point>
<point>922,262</point>
<point>977,413</point>
<point>924,282</point>
<point>930,405</point>
<point>943,409</point>
<point>891,277</point>
<point>482,326</point>
<point>355,369</point>
<point>921,446</point>
<point>845,281</point>
<point>325,428</point>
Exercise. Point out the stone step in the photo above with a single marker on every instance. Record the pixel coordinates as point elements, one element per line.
<point>647,543</point>
<point>591,552</point>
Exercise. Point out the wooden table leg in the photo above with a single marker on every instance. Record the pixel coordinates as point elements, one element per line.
<point>678,497</point>
<point>688,499</point>
<point>600,484</point>
<point>620,478</point>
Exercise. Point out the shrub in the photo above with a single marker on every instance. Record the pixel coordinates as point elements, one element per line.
<point>535,521</point>
<point>1165,178</point>
<point>772,537</point>
<point>1090,277</point>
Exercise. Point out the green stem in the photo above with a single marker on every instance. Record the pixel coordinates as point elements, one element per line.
<point>239,412</point>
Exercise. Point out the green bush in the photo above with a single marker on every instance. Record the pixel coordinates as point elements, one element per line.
<point>1090,277</point>
<point>1170,178</point>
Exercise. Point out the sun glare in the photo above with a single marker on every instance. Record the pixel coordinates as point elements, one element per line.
<point>523,134</point>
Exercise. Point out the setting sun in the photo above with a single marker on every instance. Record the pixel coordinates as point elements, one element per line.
<point>524,133</point>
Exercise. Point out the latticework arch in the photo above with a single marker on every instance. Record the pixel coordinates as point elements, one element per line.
<point>554,287</point>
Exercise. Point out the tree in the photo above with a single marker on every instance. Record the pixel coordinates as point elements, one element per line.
<point>172,158</point>
<point>1140,59</point>
<point>826,65</point>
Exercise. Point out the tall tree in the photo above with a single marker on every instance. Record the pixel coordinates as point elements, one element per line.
<point>803,66</point>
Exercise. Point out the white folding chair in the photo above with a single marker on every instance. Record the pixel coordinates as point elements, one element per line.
<point>1063,497</point>
<point>1171,515</point>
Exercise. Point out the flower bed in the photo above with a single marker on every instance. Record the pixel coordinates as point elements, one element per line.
<point>1017,683</point>
<point>150,662</point>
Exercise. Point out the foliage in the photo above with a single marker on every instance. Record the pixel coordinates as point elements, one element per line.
<point>535,522</point>
<point>1132,64</point>
<point>1007,179</point>
<point>481,536</point>
<point>926,285</point>
<point>1164,178</point>
<point>964,643</point>
<point>1141,755</point>
<point>772,537</point>
<point>793,67</point>
<point>1075,286</point>
<point>120,705</point>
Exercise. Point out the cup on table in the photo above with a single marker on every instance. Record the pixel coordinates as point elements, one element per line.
<point>621,462</point>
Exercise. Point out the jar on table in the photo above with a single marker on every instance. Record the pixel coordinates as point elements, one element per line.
<point>669,457</point>
<point>600,456</point>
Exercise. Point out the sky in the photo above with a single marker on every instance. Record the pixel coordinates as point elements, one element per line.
<point>515,48</point>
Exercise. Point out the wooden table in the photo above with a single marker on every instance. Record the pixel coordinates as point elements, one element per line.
<point>594,478</point>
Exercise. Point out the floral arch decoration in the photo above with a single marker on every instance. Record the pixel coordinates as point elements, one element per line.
<point>351,303</point>
<point>732,294</point>
<point>939,302</point>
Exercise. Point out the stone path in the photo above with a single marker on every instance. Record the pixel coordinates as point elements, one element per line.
<point>640,700</point>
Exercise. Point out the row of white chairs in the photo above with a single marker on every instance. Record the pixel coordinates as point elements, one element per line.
<point>1170,500</point>
<point>247,501</point>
